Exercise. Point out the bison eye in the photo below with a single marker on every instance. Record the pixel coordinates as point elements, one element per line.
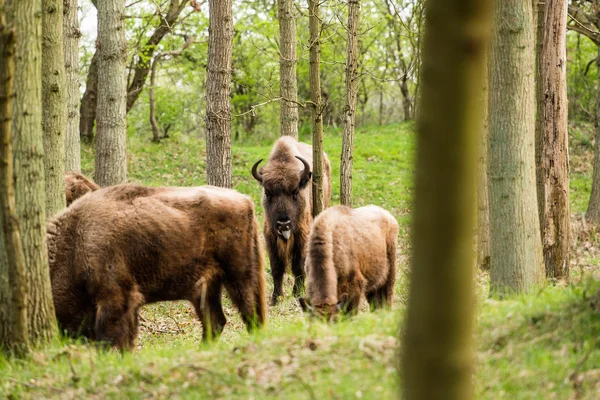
<point>295,195</point>
<point>267,194</point>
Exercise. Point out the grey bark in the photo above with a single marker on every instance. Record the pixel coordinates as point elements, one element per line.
<point>218,88</point>
<point>515,241</point>
<point>317,106</point>
<point>54,105</point>
<point>350,108</point>
<point>28,150</point>
<point>288,87</point>
<point>71,35</point>
<point>111,132</point>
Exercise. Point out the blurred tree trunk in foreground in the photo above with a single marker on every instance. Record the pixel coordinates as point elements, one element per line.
<point>437,350</point>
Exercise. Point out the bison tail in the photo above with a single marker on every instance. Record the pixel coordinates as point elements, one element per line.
<point>260,290</point>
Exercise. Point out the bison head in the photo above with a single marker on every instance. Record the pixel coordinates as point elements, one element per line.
<point>285,199</point>
<point>328,312</point>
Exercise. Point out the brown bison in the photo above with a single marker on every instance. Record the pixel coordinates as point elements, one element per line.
<point>350,252</point>
<point>123,246</point>
<point>287,200</point>
<point>77,185</point>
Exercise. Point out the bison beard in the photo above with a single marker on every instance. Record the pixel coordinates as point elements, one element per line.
<point>124,246</point>
<point>350,253</point>
<point>287,200</point>
<point>77,185</point>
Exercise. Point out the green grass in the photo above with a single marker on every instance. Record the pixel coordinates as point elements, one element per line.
<point>543,345</point>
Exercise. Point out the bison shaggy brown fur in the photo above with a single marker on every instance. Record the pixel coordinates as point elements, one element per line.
<point>77,185</point>
<point>351,252</point>
<point>287,200</point>
<point>123,246</point>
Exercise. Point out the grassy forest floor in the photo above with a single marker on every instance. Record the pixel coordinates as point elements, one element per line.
<point>544,345</point>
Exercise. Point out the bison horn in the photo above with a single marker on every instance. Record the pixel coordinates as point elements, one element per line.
<point>305,175</point>
<point>257,175</point>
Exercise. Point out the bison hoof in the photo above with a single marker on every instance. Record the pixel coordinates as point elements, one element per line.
<point>274,301</point>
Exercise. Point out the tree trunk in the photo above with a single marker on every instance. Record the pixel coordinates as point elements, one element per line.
<point>14,334</point>
<point>54,105</point>
<point>350,109</point>
<point>593,209</point>
<point>315,97</point>
<point>287,68</point>
<point>515,241</point>
<point>153,123</point>
<point>89,101</point>
<point>28,152</point>
<point>553,169</point>
<point>111,140</point>
<point>483,209</point>
<point>437,350</point>
<point>406,103</point>
<point>218,88</point>
<point>71,35</point>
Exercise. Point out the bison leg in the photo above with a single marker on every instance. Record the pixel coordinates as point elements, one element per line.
<point>377,298</point>
<point>243,297</point>
<point>277,270</point>
<point>117,321</point>
<point>298,268</point>
<point>207,302</point>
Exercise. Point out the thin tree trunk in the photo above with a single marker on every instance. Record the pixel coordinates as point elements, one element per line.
<point>437,350</point>
<point>89,101</point>
<point>29,167</point>
<point>111,140</point>
<point>406,103</point>
<point>54,104</point>
<point>381,106</point>
<point>315,97</point>
<point>14,333</point>
<point>287,68</point>
<point>218,88</point>
<point>153,123</point>
<point>483,209</point>
<point>350,109</point>
<point>593,209</point>
<point>71,37</point>
<point>554,166</point>
<point>515,241</point>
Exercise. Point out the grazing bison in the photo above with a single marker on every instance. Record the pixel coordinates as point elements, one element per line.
<point>287,200</point>
<point>77,185</point>
<point>123,246</point>
<point>350,252</point>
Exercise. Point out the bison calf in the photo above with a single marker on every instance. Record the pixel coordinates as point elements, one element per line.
<point>123,246</point>
<point>77,185</point>
<point>350,252</point>
<point>287,200</point>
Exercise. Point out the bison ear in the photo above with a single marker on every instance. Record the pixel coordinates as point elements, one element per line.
<point>342,302</point>
<point>305,305</point>
<point>304,181</point>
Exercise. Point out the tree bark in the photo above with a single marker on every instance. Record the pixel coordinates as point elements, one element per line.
<point>483,209</point>
<point>553,169</point>
<point>593,209</point>
<point>71,35</point>
<point>315,97</point>
<point>218,88</point>
<point>111,140</point>
<point>54,105</point>
<point>89,101</point>
<point>288,87</point>
<point>515,241</point>
<point>14,334</point>
<point>437,350</point>
<point>28,153</point>
<point>350,109</point>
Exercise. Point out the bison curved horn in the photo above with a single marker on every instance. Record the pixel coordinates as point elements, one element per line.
<point>257,175</point>
<point>305,174</point>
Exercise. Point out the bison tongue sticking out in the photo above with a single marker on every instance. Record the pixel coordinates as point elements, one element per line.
<point>287,200</point>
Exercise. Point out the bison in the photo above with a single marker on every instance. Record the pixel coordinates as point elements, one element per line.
<point>287,200</point>
<point>350,252</point>
<point>77,185</point>
<point>123,246</point>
